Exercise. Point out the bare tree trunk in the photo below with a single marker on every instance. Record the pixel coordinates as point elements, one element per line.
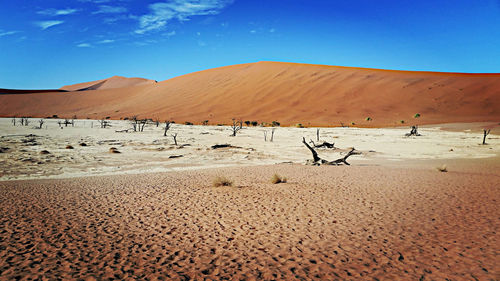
<point>485,133</point>
<point>41,123</point>
<point>265,135</point>
<point>167,126</point>
<point>175,138</point>
<point>317,134</point>
<point>272,135</point>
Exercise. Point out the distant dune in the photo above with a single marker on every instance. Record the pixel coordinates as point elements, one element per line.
<point>286,92</point>
<point>110,83</point>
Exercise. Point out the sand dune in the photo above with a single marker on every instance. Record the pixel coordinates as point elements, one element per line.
<point>114,82</point>
<point>285,92</point>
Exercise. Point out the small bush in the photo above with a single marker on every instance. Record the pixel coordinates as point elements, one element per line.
<point>402,121</point>
<point>368,119</point>
<point>114,150</point>
<point>278,179</point>
<point>255,123</point>
<point>69,147</point>
<point>299,126</point>
<point>276,124</point>
<point>416,115</point>
<point>352,123</point>
<point>247,123</point>
<point>188,123</point>
<point>222,181</point>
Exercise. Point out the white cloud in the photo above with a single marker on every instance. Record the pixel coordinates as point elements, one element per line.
<point>272,30</point>
<point>170,34</point>
<point>55,12</point>
<point>48,23</point>
<point>84,45</point>
<point>181,10</point>
<point>105,9</point>
<point>253,31</point>
<point>106,41</point>
<point>5,33</point>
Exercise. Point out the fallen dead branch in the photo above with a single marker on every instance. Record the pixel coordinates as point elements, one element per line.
<point>318,161</point>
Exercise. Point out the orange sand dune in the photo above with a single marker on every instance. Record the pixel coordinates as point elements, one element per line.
<point>287,92</point>
<point>110,83</point>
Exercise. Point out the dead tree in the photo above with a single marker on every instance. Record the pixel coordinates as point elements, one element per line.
<point>324,144</point>
<point>134,121</point>
<point>317,134</point>
<point>25,121</point>
<point>66,122</point>
<point>73,120</point>
<point>272,135</point>
<point>237,125</point>
<point>104,123</point>
<point>265,135</point>
<point>174,136</point>
<point>413,132</point>
<point>318,161</point>
<point>40,122</point>
<point>167,126</point>
<point>13,121</point>
<point>142,123</point>
<point>485,133</point>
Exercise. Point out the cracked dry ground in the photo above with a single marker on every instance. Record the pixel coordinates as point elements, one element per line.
<point>325,223</point>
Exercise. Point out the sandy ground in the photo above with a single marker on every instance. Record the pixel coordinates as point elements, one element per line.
<point>331,223</point>
<point>389,216</point>
<point>150,151</point>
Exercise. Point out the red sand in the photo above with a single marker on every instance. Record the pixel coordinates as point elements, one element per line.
<point>285,92</point>
<point>331,223</point>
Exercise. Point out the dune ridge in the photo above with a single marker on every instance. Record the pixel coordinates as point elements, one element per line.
<point>286,92</point>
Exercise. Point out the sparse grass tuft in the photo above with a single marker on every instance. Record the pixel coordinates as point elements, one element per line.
<point>222,181</point>
<point>278,179</point>
<point>442,169</point>
<point>417,115</point>
<point>368,119</point>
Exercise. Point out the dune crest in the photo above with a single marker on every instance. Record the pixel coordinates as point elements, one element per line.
<point>114,82</point>
<point>286,92</point>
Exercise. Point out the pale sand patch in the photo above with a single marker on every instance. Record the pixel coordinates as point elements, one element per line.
<point>150,151</point>
<point>330,223</point>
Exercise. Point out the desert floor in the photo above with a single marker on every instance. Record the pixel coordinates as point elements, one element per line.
<point>390,215</point>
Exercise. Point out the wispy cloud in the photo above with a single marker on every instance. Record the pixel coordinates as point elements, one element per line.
<point>170,34</point>
<point>181,10</point>
<point>5,33</point>
<point>55,12</point>
<point>106,41</point>
<point>84,45</point>
<point>106,9</point>
<point>48,23</point>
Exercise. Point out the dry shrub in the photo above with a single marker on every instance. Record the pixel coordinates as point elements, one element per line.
<point>442,169</point>
<point>222,181</point>
<point>278,179</point>
<point>69,147</point>
<point>44,152</point>
<point>114,150</point>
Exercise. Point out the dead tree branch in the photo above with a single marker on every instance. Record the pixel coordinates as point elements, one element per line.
<point>485,134</point>
<point>318,161</point>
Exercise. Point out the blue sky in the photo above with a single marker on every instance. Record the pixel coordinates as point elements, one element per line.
<point>51,43</point>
